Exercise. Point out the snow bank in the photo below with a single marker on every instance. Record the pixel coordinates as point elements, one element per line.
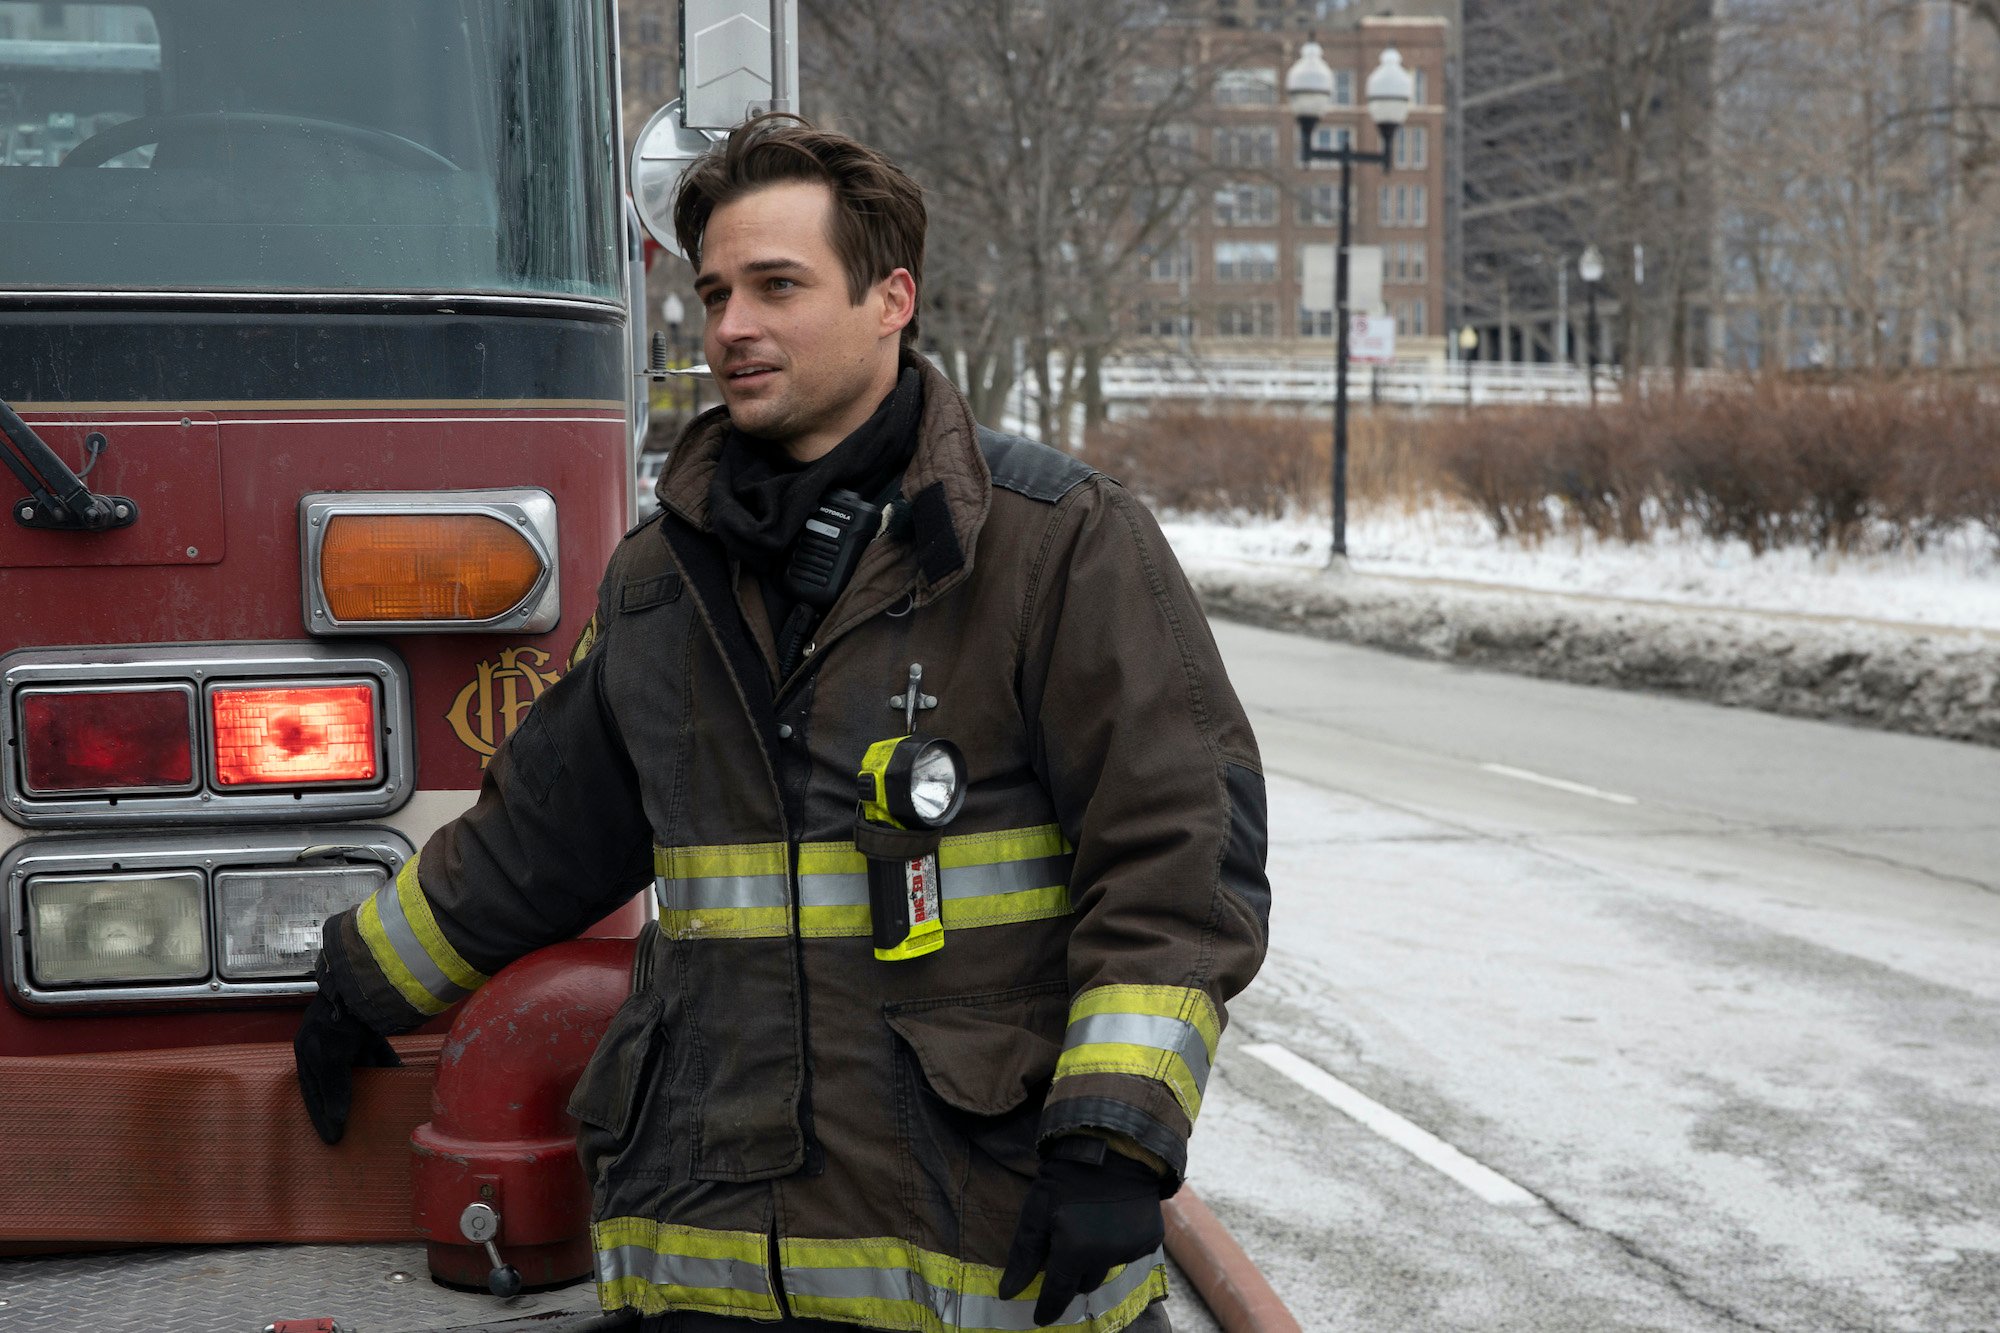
<point>1907,642</point>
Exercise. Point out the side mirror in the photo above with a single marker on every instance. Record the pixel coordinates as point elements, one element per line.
<point>660,158</point>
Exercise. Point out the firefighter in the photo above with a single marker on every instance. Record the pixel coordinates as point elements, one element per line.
<point>956,825</point>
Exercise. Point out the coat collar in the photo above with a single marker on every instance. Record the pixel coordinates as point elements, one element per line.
<point>947,484</point>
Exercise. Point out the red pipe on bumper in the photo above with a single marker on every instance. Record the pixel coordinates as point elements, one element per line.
<point>1231,1286</point>
<point>500,1132</point>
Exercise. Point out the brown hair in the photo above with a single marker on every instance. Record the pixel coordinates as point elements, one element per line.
<point>877,222</point>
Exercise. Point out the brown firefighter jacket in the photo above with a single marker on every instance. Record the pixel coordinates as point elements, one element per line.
<point>775,1114</point>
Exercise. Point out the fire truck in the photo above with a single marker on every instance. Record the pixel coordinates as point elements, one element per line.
<point>322,380</point>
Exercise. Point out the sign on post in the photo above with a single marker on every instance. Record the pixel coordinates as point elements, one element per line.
<point>1371,339</point>
<point>726,60</point>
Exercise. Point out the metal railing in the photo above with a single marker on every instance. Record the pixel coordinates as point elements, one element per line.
<point>1408,383</point>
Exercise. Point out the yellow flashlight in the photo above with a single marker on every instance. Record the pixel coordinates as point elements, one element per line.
<point>907,785</point>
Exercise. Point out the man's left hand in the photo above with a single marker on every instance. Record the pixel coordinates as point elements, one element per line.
<point>1082,1219</point>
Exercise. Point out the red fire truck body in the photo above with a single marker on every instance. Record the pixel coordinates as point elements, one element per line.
<point>333,305</point>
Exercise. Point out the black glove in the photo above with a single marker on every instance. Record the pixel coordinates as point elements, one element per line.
<point>1088,1211</point>
<point>331,1042</point>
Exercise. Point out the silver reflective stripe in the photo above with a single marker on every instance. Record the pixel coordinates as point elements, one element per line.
<point>833,890</point>
<point>396,927</point>
<point>1007,877</point>
<point>1018,1316</point>
<point>851,890</point>
<point>720,891</point>
<point>1162,1034</point>
<point>959,1310</point>
<point>681,1270</point>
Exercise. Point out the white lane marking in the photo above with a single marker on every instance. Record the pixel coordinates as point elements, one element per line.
<point>1560,784</point>
<point>1426,1147</point>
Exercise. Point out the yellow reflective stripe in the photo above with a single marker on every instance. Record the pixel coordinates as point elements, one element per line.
<point>1146,1061</point>
<point>888,1283</point>
<point>750,858</point>
<point>654,1267</point>
<point>671,1238</point>
<point>830,858</point>
<point>726,923</point>
<point>1165,1033</point>
<point>1000,909</point>
<point>369,922</point>
<point>417,909</point>
<point>1181,1002</point>
<point>846,921</point>
<point>732,878</point>
<point>986,849</point>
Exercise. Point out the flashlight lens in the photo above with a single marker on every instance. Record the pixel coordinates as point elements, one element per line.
<point>933,783</point>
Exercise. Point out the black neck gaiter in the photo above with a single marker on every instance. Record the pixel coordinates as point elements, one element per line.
<point>760,498</point>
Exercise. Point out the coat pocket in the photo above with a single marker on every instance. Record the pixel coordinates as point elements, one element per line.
<point>972,1074</point>
<point>620,1078</point>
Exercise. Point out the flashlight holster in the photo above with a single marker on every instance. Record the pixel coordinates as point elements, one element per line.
<point>904,901</point>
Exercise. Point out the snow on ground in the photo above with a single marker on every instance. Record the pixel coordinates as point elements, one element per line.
<point>1955,583</point>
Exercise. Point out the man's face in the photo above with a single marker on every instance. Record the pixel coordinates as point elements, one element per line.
<point>798,362</point>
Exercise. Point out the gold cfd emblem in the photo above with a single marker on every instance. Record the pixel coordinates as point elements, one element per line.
<point>498,696</point>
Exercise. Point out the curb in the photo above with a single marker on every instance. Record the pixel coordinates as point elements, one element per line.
<point>1941,683</point>
<point>1232,1288</point>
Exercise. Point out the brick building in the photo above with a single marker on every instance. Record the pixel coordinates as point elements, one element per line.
<point>1237,282</point>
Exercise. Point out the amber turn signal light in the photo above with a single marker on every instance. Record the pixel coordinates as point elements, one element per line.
<point>425,567</point>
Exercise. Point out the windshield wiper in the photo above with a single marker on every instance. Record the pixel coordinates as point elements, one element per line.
<point>57,499</point>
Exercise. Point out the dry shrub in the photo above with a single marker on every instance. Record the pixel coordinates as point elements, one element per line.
<point>1264,463</point>
<point>1837,467</point>
<point>1498,461</point>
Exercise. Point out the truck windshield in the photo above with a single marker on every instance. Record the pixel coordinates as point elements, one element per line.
<point>434,146</point>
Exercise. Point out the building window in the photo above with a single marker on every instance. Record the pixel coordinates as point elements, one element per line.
<point>1246,261</point>
<point>1171,263</point>
<point>650,31</point>
<point>1168,202</point>
<point>1315,323</point>
<point>1331,138</point>
<point>1151,86</point>
<point>1420,86</point>
<point>1410,318</point>
<point>1247,87</point>
<point>1413,147</point>
<point>1177,142</point>
<point>1404,261</point>
<point>1343,87</point>
<point>1316,206</point>
<point>1253,147</point>
<point>1161,321</point>
<point>1246,206</point>
<point>1317,202</point>
<point>1250,319</point>
<point>1402,206</point>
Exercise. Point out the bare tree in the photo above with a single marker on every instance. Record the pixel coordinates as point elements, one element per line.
<point>1587,124</point>
<point>1046,136</point>
<point>1856,158</point>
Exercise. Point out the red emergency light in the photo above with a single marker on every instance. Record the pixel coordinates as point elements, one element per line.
<point>293,735</point>
<point>107,740</point>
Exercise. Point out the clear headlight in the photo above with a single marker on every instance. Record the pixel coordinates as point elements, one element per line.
<point>107,929</point>
<point>934,783</point>
<point>271,918</point>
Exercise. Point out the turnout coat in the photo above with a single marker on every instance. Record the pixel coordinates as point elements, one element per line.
<point>777,1121</point>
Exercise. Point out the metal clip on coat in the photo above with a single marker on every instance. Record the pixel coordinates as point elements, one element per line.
<point>910,788</point>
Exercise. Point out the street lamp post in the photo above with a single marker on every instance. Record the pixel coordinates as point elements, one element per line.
<point>1591,269</point>
<point>1309,89</point>
<point>1468,342</point>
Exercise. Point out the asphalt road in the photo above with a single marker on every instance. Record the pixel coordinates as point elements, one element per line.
<point>1725,1008</point>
